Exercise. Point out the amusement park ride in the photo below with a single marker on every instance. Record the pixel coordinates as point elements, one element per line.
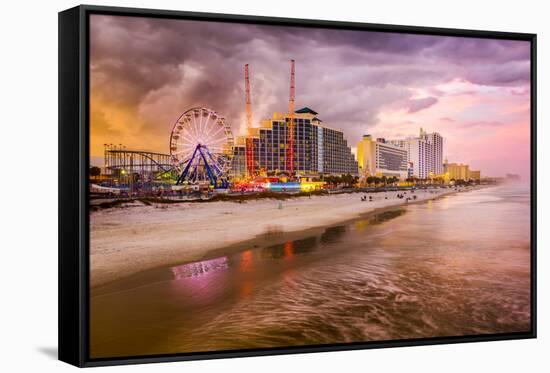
<point>201,148</point>
<point>201,145</point>
<point>291,108</point>
<point>201,142</point>
<point>250,166</point>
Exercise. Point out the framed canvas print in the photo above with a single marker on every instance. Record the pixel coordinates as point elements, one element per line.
<point>238,186</point>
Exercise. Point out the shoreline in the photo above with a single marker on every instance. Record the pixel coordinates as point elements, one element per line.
<point>129,241</point>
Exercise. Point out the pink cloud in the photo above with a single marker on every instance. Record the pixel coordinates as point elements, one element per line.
<point>418,104</point>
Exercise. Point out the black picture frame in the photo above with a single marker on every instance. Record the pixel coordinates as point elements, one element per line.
<point>73,183</point>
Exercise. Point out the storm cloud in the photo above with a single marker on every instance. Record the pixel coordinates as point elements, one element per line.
<point>145,72</point>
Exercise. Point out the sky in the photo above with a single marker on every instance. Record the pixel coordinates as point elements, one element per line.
<point>146,72</point>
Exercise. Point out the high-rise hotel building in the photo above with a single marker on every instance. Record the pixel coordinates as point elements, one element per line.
<point>318,149</point>
<point>435,140</point>
<point>424,154</point>
<point>381,158</point>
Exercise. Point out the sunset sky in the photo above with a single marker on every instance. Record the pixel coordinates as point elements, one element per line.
<point>145,72</point>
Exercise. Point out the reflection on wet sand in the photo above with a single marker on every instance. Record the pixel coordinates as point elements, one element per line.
<point>198,269</point>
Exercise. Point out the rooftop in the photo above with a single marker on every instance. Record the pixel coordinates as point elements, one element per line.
<point>306,110</point>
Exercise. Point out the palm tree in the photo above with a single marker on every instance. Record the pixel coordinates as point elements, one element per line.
<point>95,172</point>
<point>347,179</point>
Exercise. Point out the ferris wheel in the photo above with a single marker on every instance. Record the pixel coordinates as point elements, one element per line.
<point>201,146</point>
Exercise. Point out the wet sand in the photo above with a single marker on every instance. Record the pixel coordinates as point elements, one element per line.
<point>126,241</point>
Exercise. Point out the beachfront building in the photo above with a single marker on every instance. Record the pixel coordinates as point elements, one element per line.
<point>424,154</point>
<point>457,171</point>
<point>474,175</point>
<point>238,162</point>
<point>381,158</point>
<point>435,141</point>
<point>418,155</point>
<point>318,148</point>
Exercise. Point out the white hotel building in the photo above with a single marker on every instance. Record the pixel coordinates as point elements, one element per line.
<point>381,158</point>
<point>424,154</point>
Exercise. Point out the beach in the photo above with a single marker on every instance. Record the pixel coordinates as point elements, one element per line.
<point>449,265</point>
<point>134,238</point>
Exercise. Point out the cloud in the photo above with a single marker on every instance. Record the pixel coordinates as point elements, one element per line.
<point>418,104</point>
<point>511,73</point>
<point>477,124</point>
<point>145,72</point>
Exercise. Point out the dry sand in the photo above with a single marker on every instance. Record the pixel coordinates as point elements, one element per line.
<point>128,240</point>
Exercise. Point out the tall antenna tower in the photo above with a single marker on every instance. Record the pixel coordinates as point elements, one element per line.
<point>249,140</point>
<point>291,109</point>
